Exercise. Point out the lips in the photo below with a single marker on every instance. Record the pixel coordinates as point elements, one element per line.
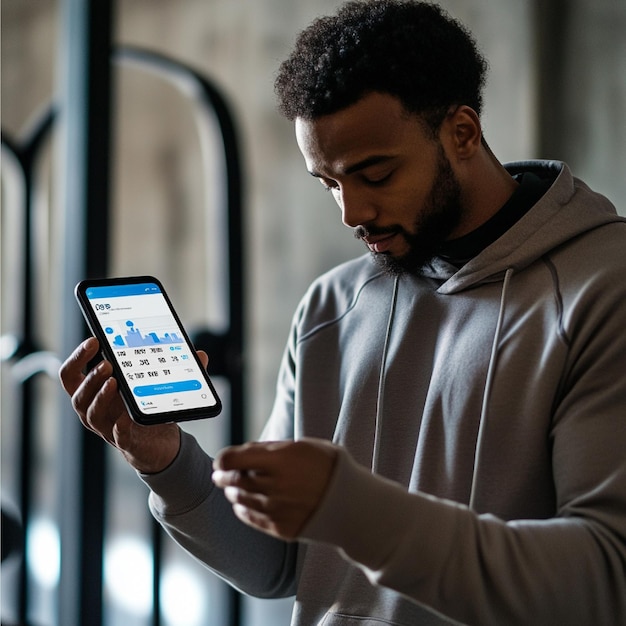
<point>380,243</point>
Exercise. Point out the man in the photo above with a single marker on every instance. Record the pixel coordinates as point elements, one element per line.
<point>448,441</point>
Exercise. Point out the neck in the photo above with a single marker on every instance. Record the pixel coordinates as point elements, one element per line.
<point>486,187</point>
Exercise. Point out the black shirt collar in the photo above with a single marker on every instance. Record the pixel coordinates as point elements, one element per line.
<point>529,191</point>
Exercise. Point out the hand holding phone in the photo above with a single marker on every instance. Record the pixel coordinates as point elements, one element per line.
<point>159,375</point>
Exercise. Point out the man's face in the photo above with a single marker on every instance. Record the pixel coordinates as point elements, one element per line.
<point>391,179</point>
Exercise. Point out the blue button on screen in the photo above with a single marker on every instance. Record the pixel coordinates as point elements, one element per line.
<point>155,390</point>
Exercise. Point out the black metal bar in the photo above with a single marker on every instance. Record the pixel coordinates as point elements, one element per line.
<point>26,346</point>
<point>86,123</point>
<point>96,209</point>
<point>228,349</point>
<point>157,564</point>
<point>86,114</point>
<point>26,397</point>
<point>25,153</point>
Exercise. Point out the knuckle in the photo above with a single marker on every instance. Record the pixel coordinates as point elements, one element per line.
<point>89,418</point>
<point>237,478</point>
<point>77,404</point>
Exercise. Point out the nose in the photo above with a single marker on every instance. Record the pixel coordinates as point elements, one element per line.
<point>356,208</point>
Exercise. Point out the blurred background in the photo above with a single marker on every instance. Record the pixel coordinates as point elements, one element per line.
<point>141,137</point>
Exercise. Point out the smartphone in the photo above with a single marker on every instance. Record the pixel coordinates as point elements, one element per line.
<point>159,375</point>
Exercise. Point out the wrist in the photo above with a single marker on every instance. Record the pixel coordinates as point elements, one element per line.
<point>162,450</point>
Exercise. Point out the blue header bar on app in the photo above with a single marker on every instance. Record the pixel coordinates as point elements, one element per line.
<point>114,291</point>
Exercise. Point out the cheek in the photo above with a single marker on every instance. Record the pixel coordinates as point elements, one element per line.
<point>407,205</point>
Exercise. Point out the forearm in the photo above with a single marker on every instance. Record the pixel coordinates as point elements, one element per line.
<point>476,569</point>
<point>197,515</point>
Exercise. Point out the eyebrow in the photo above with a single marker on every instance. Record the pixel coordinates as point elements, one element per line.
<point>360,165</point>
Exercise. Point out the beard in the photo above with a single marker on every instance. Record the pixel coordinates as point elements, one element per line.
<point>438,219</point>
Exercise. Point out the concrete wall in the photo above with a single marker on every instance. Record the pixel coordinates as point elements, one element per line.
<point>293,230</point>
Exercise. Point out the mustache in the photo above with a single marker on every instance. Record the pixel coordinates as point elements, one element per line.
<point>361,232</point>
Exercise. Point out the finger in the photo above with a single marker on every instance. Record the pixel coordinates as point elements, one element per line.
<point>250,481</point>
<point>263,522</point>
<point>256,456</point>
<point>90,386</point>
<point>255,501</point>
<point>254,518</point>
<point>204,358</point>
<point>254,504</point>
<point>105,411</point>
<point>71,372</point>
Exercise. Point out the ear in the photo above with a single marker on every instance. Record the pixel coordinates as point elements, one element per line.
<point>461,132</point>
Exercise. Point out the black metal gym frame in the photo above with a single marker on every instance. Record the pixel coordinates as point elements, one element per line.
<point>84,115</point>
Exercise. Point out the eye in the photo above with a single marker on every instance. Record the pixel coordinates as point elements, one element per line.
<point>375,180</point>
<point>328,185</point>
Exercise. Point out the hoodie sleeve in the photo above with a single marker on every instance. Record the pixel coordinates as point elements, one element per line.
<point>196,514</point>
<point>478,569</point>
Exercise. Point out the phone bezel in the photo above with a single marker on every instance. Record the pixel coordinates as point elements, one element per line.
<point>107,352</point>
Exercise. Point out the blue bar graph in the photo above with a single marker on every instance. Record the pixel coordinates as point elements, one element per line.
<point>135,338</point>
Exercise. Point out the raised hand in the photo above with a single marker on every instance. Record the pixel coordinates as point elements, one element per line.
<point>276,486</point>
<point>97,402</point>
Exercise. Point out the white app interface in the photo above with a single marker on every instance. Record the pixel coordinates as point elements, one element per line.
<point>149,347</point>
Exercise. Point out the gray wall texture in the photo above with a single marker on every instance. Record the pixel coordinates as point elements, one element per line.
<point>293,230</point>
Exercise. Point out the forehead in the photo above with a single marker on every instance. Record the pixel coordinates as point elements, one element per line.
<point>376,125</point>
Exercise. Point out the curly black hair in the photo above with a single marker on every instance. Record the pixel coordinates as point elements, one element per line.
<point>412,50</point>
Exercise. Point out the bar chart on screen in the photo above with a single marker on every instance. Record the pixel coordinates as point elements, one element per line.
<point>131,335</point>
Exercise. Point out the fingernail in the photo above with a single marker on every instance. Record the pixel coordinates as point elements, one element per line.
<point>231,493</point>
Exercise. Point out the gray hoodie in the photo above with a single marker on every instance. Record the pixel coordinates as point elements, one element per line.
<point>481,415</point>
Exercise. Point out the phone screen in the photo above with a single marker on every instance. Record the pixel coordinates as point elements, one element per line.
<point>150,348</point>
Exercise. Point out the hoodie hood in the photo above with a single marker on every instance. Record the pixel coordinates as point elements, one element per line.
<point>568,209</point>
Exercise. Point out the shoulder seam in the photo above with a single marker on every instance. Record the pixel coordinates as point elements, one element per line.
<point>351,306</point>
